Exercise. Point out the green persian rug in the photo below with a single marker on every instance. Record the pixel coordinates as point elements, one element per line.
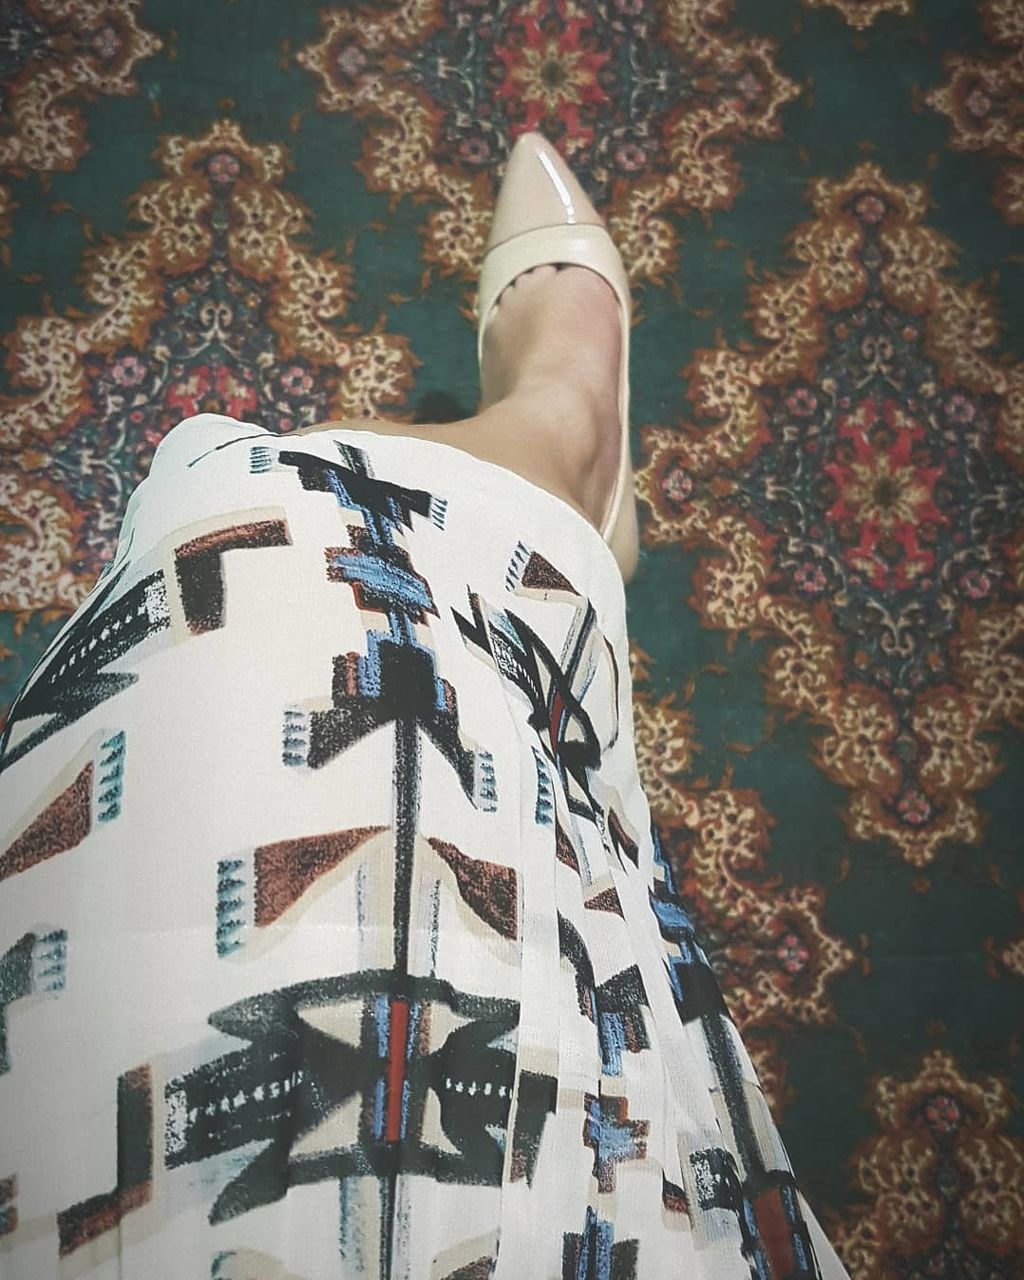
<point>278,212</point>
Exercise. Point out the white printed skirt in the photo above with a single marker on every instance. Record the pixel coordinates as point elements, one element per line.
<point>335,940</point>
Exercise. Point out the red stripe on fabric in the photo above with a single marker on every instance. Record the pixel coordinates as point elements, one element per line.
<point>556,714</point>
<point>396,1068</point>
<point>776,1233</point>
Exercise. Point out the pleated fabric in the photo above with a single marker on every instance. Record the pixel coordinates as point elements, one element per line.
<point>335,940</point>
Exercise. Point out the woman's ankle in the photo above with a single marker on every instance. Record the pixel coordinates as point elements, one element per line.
<point>551,434</point>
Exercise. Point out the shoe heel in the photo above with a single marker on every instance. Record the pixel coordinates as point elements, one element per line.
<point>624,537</point>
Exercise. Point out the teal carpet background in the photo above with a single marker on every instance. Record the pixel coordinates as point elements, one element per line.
<point>279,212</point>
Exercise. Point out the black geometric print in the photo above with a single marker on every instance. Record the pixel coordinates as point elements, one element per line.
<point>72,681</point>
<point>35,964</point>
<point>776,1238</point>
<point>101,1213</point>
<point>199,567</point>
<point>292,1076</point>
<point>564,728</point>
<point>538,1095</point>
<point>353,485</point>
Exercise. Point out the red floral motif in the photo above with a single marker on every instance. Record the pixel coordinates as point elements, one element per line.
<point>802,402</point>
<point>960,409</point>
<point>106,42</point>
<point>128,371</point>
<point>913,807</point>
<point>820,476</point>
<point>870,209</point>
<point>220,390</point>
<point>677,486</point>
<point>792,953</point>
<point>553,68</point>
<point>885,499</point>
<point>810,579</point>
<point>942,1114</point>
<point>296,380</point>
<point>223,168</point>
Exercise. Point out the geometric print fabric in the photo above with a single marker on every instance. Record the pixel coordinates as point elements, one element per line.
<point>334,936</point>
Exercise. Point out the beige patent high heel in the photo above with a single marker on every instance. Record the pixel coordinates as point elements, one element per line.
<point>543,216</point>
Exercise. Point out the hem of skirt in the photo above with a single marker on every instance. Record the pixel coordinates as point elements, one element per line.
<point>499,475</point>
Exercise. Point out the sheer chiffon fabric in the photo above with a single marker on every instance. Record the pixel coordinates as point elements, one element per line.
<point>335,938</point>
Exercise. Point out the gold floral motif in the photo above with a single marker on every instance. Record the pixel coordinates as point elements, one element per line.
<point>694,474</point>
<point>981,98</point>
<point>1013,958</point>
<point>772,1073</point>
<point>940,1129</point>
<point>126,282</point>
<point>1008,958</point>
<point>774,958</point>
<point>639,663</point>
<point>860,14</point>
<point>664,747</point>
<point>37,549</point>
<point>92,49</point>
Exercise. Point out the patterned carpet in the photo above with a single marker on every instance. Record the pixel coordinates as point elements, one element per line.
<point>278,212</point>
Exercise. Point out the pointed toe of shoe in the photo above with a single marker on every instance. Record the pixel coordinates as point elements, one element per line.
<point>538,190</point>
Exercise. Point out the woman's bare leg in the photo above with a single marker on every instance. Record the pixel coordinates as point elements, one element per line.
<point>549,389</point>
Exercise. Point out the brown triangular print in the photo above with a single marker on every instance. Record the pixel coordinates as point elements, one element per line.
<point>479,1270</point>
<point>564,851</point>
<point>541,575</point>
<point>606,900</point>
<point>673,1197</point>
<point>65,822</point>
<point>285,870</point>
<point>487,888</point>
